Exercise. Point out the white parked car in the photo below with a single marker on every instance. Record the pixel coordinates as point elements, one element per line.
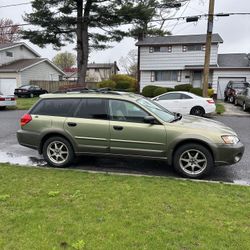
<point>186,103</point>
<point>7,100</point>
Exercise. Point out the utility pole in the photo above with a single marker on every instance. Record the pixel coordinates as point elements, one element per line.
<point>208,47</point>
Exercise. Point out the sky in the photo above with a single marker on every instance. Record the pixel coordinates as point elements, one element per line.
<point>235,30</point>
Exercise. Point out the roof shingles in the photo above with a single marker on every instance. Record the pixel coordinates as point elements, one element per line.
<point>180,39</point>
<point>18,65</point>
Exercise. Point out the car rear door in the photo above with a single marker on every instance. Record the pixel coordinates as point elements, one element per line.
<point>90,126</point>
<point>130,135</point>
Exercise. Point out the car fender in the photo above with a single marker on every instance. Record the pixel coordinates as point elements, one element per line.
<point>188,138</point>
<point>55,132</point>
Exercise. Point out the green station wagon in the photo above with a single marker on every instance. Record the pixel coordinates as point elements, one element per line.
<point>62,126</point>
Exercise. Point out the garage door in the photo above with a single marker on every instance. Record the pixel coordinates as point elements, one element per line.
<point>222,83</point>
<point>8,85</point>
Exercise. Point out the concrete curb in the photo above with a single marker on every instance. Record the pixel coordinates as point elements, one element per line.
<point>240,183</point>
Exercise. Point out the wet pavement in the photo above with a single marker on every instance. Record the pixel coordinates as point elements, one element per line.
<point>12,152</point>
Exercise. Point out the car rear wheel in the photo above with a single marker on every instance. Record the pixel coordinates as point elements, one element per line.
<point>198,111</point>
<point>236,102</point>
<point>193,160</point>
<point>58,152</point>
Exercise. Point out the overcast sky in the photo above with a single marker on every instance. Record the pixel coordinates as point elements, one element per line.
<point>235,30</point>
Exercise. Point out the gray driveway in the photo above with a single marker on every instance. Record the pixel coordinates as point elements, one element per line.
<point>11,151</point>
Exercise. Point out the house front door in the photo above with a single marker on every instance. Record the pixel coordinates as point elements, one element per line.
<point>197,79</point>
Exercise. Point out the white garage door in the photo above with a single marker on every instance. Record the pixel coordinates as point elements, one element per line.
<point>222,83</point>
<point>8,85</point>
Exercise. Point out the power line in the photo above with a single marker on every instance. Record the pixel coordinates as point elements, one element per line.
<point>13,5</point>
<point>156,20</point>
<point>181,15</point>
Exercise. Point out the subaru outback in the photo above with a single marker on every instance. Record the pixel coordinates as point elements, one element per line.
<point>62,126</point>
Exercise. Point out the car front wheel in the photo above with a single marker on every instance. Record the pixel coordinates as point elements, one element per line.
<point>58,152</point>
<point>193,160</point>
<point>231,99</point>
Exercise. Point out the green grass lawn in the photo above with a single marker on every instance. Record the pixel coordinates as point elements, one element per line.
<point>220,109</point>
<point>25,103</point>
<point>53,209</point>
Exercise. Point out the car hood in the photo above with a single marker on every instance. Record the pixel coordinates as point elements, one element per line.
<point>204,124</point>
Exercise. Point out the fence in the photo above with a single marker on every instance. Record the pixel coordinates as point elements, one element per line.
<point>52,86</point>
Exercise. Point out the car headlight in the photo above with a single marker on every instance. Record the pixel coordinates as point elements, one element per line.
<point>230,139</point>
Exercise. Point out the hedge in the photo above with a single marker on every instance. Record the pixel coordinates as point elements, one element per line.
<point>107,84</point>
<point>148,91</point>
<point>183,87</point>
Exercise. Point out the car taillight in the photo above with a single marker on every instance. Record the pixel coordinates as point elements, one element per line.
<point>25,119</point>
<point>2,99</point>
<point>210,101</point>
<point>13,99</point>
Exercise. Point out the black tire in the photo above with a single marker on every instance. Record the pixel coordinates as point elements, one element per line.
<point>225,99</point>
<point>198,111</point>
<point>191,169</point>
<point>48,147</point>
<point>231,99</point>
<point>244,107</point>
<point>236,102</point>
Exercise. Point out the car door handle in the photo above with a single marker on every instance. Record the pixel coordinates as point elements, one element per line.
<point>118,127</point>
<point>71,124</point>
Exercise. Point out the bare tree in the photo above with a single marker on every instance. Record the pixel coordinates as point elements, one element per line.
<point>129,63</point>
<point>9,32</point>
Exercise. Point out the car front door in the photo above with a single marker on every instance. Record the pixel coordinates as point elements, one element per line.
<point>90,126</point>
<point>130,135</point>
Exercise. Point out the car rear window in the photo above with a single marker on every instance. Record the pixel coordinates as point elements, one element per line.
<point>56,107</point>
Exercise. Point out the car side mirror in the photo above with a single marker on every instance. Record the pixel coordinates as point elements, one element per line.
<point>149,119</point>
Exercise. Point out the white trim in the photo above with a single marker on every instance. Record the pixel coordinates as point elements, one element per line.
<point>21,44</point>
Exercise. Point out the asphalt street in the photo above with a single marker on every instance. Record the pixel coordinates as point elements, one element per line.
<point>12,152</point>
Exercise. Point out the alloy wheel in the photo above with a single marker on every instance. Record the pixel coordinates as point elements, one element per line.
<point>57,152</point>
<point>193,162</point>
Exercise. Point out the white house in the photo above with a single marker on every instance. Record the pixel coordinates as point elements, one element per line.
<point>96,72</point>
<point>171,60</point>
<point>19,64</point>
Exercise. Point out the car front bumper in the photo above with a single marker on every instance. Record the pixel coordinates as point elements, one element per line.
<point>228,154</point>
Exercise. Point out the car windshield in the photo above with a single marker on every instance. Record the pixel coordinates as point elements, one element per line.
<point>25,87</point>
<point>157,109</point>
<point>239,85</point>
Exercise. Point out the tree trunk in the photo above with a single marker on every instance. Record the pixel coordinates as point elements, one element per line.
<point>82,39</point>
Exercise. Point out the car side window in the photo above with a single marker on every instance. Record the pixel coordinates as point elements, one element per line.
<point>56,107</point>
<point>170,96</point>
<point>184,96</point>
<point>93,108</point>
<point>126,111</point>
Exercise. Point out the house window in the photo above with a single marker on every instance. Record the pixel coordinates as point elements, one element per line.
<point>204,47</point>
<point>160,49</point>
<point>166,75</point>
<point>9,54</point>
<point>193,47</point>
